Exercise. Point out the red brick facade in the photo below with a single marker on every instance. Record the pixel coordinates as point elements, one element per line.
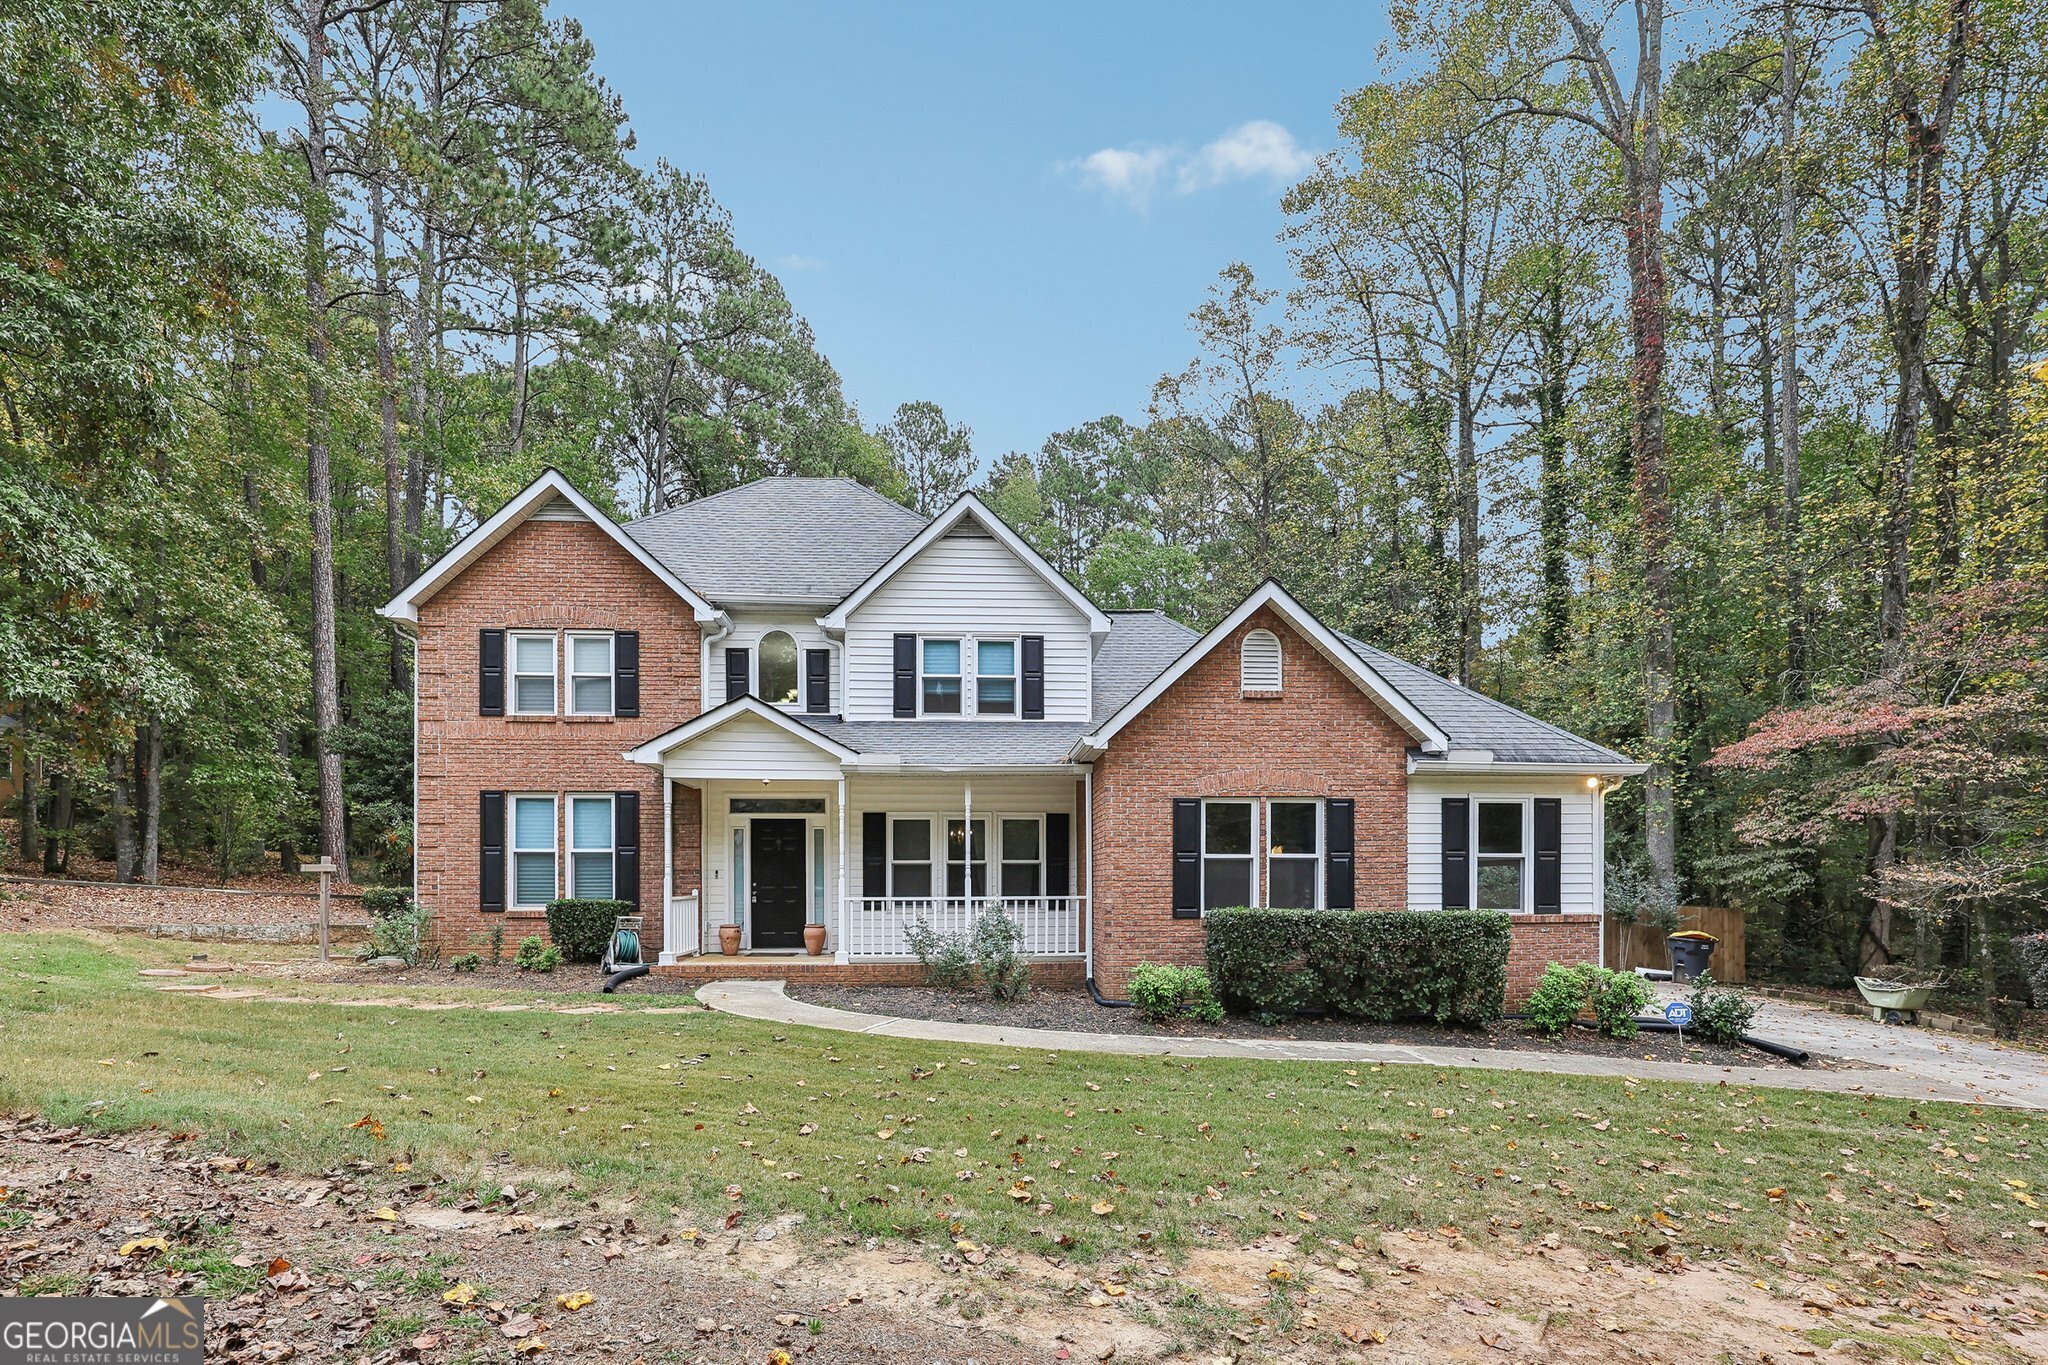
<point>1320,737</point>
<point>1543,939</point>
<point>546,575</point>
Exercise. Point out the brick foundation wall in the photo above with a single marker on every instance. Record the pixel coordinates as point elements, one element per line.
<point>1540,940</point>
<point>1319,737</point>
<point>544,575</point>
<point>1066,975</point>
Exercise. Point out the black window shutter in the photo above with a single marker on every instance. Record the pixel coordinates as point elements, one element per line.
<point>906,676</point>
<point>1457,842</point>
<point>490,651</point>
<point>626,847</point>
<point>1187,858</point>
<point>736,670</point>
<point>490,863</point>
<point>1340,887</point>
<point>626,673</point>
<point>1549,855</point>
<point>874,855</point>
<point>1034,677</point>
<point>1058,834</point>
<point>817,681</point>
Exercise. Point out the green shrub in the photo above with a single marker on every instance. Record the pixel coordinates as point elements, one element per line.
<point>2033,954</point>
<point>1618,997</point>
<point>399,933</point>
<point>1557,999</point>
<point>468,962</point>
<point>996,944</point>
<point>582,928</point>
<point>536,956</point>
<point>1382,966</point>
<point>1719,1015</point>
<point>947,964</point>
<point>382,901</point>
<point>1167,994</point>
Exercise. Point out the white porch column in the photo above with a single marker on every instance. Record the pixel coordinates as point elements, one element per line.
<point>839,944</point>
<point>668,865</point>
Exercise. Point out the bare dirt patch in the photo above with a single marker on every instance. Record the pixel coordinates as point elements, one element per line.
<point>355,1264</point>
<point>1074,1010</point>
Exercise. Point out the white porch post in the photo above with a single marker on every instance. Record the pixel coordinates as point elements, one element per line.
<point>668,865</point>
<point>1088,882</point>
<point>840,947</point>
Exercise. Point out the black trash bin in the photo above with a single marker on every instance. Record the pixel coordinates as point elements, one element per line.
<point>1689,954</point>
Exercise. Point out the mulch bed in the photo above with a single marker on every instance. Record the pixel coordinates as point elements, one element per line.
<point>571,978</point>
<point>1075,1011</point>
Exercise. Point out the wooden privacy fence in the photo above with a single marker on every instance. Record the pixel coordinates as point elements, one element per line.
<point>1642,945</point>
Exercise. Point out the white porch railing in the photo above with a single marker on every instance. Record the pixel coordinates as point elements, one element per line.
<point>881,928</point>
<point>681,928</point>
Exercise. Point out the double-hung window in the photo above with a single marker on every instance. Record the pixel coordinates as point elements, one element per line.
<point>533,852</point>
<point>533,674</point>
<point>1023,873</point>
<point>966,868</point>
<point>1501,871</point>
<point>590,847</point>
<point>590,674</point>
<point>1293,854</point>
<point>910,857</point>
<point>1227,854</point>
<point>940,678</point>
<point>995,677</point>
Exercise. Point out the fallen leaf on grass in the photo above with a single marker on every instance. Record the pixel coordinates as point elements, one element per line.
<point>142,1244</point>
<point>371,1122</point>
<point>1102,1208</point>
<point>464,1293</point>
<point>569,1303</point>
<point>385,1215</point>
<point>530,1346</point>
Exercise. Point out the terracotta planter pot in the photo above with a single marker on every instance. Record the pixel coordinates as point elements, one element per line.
<point>729,939</point>
<point>814,939</point>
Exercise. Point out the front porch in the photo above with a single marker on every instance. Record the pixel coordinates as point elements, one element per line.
<point>773,832</point>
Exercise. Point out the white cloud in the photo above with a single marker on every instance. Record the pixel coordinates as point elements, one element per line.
<point>1258,150</point>
<point>1129,173</point>
<point>796,262</point>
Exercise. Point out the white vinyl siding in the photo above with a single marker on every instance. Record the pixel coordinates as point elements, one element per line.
<point>749,747</point>
<point>751,632</point>
<point>966,586</point>
<point>1580,876</point>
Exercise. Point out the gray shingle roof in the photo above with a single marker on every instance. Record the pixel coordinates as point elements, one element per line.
<point>1140,646</point>
<point>954,743</point>
<point>781,537</point>
<point>1473,721</point>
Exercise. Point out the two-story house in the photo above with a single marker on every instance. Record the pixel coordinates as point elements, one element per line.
<point>798,703</point>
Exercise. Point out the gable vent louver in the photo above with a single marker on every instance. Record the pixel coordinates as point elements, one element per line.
<point>1259,662</point>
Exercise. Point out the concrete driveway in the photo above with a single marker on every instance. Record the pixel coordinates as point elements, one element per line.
<point>1998,1073</point>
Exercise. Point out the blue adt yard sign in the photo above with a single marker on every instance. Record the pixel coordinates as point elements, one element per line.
<point>1678,1014</point>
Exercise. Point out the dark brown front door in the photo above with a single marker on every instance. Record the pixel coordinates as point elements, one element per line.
<point>778,883</point>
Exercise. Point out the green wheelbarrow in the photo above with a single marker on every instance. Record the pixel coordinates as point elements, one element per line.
<point>1891,1002</point>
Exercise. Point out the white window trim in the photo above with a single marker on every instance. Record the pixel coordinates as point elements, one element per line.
<point>966,676</point>
<point>1267,854</point>
<point>611,848</point>
<point>610,673</point>
<point>1015,675</point>
<point>1252,856</point>
<point>754,663</point>
<point>1528,854</point>
<point>513,673</point>
<point>1244,681</point>
<point>935,859</point>
<point>513,849</point>
<point>1003,858</point>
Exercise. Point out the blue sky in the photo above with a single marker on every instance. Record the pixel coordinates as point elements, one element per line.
<point>1008,210</point>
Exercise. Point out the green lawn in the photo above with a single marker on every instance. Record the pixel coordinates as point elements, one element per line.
<point>711,1115</point>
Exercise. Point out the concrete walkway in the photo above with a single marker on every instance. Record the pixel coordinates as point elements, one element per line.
<point>1911,1073</point>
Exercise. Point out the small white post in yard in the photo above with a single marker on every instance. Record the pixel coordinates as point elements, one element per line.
<point>326,868</point>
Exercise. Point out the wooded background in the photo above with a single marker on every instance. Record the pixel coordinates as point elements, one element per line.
<point>1684,388</point>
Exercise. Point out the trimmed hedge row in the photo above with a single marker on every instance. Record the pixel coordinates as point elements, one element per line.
<point>1382,966</point>
<point>582,928</point>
